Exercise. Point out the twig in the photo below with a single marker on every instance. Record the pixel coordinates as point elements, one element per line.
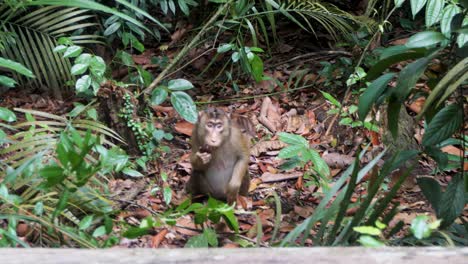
<point>185,50</point>
<point>310,54</point>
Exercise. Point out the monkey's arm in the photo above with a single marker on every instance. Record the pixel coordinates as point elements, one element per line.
<point>238,174</point>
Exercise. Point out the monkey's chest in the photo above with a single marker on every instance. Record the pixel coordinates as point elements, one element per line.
<point>218,175</point>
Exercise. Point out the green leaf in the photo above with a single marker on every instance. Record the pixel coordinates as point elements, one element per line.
<point>393,114</point>
<point>112,28</point>
<point>60,48</point>
<point>290,151</point>
<point>97,66</point>
<point>257,68</point>
<point>398,3</point>
<point>408,78</point>
<point>185,106</point>
<point>184,7</point>
<point>462,38</point>
<point>434,11</point>
<point>7,81</point>
<point>369,241</point>
<point>432,191</point>
<point>126,58</point>
<point>3,136</point>
<point>78,69</point>
<point>380,225</point>
<point>135,232</point>
<point>77,110</point>
<point>132,173</point>
<point>84,58</point>
<point>391,56</point>
<point>167,195</point>
<point>85,222</point>
<point>225,47</point>
<point>72,51</point>
<point>453,200</point>
<point>346,121</point>
<point>420,228</point>
<point>15,66</point>
<point>53,175</point>
<point>293,139</point>
<point>320,166</point>
<point>211,237</point>
<point>62,203</point>
<point>331,99</point>
<point>446,22</point>
<point>83,83</point>
<point>416,6</point>
<point>425,39</point>
<point>100,231</point>
<point>368,230</point>
<point>179,85</point>
<point>39,208</point>
<point>372,93</point>
<point>7,115</point>
<point>443,125</point>
<point>198,241</point>
<point>235,57</point>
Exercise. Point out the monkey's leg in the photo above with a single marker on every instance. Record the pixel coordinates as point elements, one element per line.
<point>193,185</point>
<point>237,179</point>
<point>244,188</point>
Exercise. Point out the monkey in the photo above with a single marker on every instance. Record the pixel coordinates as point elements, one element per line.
<point>219,158</point>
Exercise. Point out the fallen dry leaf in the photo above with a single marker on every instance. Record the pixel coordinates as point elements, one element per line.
<point>157,239</point>
<point>303,211</point>
<point>270,177</point>
<point>184,127</point>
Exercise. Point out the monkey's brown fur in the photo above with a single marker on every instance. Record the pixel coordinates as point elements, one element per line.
<point>220,157</point>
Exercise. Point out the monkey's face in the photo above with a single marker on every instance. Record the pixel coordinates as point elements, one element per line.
<point>214,135</point>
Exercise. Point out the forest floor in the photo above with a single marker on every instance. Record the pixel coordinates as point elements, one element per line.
<point>302,111</point>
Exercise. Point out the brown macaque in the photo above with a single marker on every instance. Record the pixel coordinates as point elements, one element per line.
<point>220,157</point>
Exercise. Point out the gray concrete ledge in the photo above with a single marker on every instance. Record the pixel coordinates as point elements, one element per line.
<point>350,255</point>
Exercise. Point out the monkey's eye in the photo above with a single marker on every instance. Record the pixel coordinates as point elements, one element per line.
<point>209,125</point>
<point>219,126</point>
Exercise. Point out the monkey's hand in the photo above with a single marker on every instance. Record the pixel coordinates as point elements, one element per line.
<point>231,193</point>
<point>205,157</point>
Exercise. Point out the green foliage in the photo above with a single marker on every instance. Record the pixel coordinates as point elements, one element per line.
<point>181,101</point>
<point>58,170</point>
<point>448,205</point>
<point>298,153</point>
<point>88,84</point>
<point>424,46</point>
<point>203,240</point>
<point>337,201</point>
<point>212,211</point>
<point>348,114</point>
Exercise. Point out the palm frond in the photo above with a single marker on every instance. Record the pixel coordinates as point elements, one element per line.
<point>36,33</point>
<point>42,136</point>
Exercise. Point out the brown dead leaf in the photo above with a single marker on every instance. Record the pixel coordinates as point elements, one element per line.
<point>337,160</point>
<point>303,211</point>
<point>231,245</point>
<point>266,217</point>
<point>270,177</point>
<point>270,115</point>
<point>299,183</point>
<point>399,42</point>
<point>254,184</point>
<point>264,146</point>
<point>186,226</point>
<point>417,105</point>
<point>184,127</point>
<point>144,58</point>
<point>453,150</point>
<point>157,239</point>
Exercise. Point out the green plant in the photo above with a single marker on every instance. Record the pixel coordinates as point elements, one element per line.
<point>213,211</point>
<point>66,195</point>
<point>181,101</point>
<point>336,200</point>
<point>348,114</point>
<point>88,84</point>
<point>250,62</point>
<point>299,153</point>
